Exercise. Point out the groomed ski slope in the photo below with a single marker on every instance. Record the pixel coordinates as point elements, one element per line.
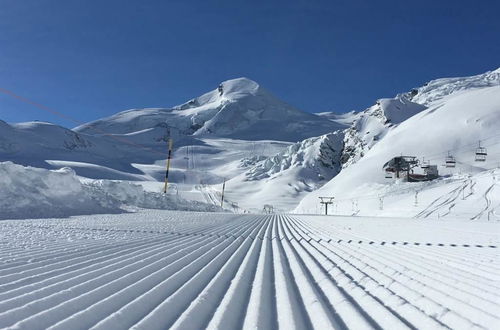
<point>165,269</point>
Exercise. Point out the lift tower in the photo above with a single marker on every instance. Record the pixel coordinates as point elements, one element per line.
<point>326,201</point>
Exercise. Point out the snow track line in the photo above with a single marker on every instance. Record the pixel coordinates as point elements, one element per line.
<point>97,267</point>
<point>288,298</point>
<point>55,284</point>
<point>58,301</point>
<point>485,303</point>
<point>261,307</point>
<point>488,201</point>
<point>231,311</point>
<point>400,280</point>
<point>339,302</point>
<point>450,197</point>
<point>172,308</point>
<point>221,271</point>
<point>100,310</point>
<point>337,236</point>
<point>406,315</point>
<point>385,317</point>
<point>403,253</point>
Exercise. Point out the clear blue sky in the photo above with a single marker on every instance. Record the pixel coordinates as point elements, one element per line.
<point>90,58</point>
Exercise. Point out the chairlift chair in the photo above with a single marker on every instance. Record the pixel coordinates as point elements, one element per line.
<point>450,161</point>
<point>481,153</point>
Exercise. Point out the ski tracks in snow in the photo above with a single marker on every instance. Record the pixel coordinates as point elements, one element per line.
<point>222,271</point>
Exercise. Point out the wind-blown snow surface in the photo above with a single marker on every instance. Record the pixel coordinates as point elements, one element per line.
<point>160,269</point>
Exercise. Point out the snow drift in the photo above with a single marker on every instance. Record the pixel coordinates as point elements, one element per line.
<point>28,192</point>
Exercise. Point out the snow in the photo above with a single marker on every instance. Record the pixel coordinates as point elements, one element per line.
<point>436,91</point>
<point>105,252</point>
<point>233,137</point>
<point>245,110</point>
<point>27,192</point>
<point>456,126</point>
<point>163,269</point>
<point>290,174</point>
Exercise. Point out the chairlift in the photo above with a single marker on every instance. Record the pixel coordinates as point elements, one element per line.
<point>481,153</point>
<point>388,175</point>
<point>425,164</point>
<point>450,161</point>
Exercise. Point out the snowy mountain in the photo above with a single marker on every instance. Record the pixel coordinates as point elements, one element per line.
<point>241,133</point>
<point>366,129</point>
<point>239,108</point>
<point>47,145</point>
<point>437,90</point>
<point>371,125</point>
<point>291,174</point>
<point>452,124</point>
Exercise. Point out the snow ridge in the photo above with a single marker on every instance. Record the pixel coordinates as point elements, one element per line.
<point>437,90</point>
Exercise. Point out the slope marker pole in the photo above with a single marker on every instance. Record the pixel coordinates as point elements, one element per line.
<point>170,144</point>
<point>222,196</point>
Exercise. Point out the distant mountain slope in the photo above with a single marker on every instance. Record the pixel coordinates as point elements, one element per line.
<point>368,128</point>
<point>289,175</point>
<point>456,123</point>
<point>47,145</point>
<point>239,108</point>
<point>241,133</point>
<point>436,90</point>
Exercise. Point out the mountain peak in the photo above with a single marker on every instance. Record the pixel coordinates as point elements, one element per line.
<point>241,85</point>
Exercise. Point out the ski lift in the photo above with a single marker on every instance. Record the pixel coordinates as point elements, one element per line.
<point>388,175</point>
<point>450,161</point>
<point>481,153</point>
<point>425,164</point>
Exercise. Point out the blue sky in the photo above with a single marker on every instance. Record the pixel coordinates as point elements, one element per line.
<point>89,58</point>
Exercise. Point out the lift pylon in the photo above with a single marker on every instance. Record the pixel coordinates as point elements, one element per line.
<point>326,201</point>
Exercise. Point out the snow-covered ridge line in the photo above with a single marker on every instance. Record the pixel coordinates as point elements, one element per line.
<point>436,90</point>
<point>238,108</point>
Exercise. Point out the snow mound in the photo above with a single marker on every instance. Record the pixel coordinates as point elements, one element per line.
<point>133,195</point>
<point>28,192</point>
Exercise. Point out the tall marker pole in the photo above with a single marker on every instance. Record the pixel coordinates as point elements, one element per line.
<point>222,197</point>
<point>170,144</point>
